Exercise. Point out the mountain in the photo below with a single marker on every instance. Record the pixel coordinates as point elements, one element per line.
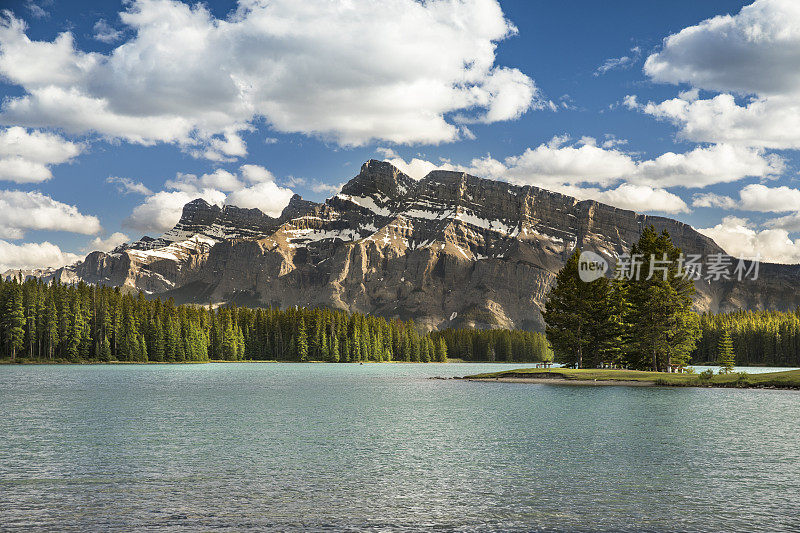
<point>449,250</point>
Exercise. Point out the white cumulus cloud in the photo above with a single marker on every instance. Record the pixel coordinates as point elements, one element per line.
<point>757,197</point>
<point>640,198</point>
<point>710,199</point>
<point>703,166</point>
<point>754,197</point>
<point>26,156</point>
<point>562,162</point>
<point>559,162</point>
<point>109,243</point>
<point>752,52</point>
<point>349,71</point>
<point>739,239</point>
<point>220,179</point>
<point>21,211</point>
<point>266,196</point>
<point>754,55</point>
<point>33,255</point>
<point>772,122</point>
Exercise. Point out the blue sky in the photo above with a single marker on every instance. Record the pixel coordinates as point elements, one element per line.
<point>115,113</point>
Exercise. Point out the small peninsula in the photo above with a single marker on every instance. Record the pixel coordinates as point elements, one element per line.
<point>591,377</point>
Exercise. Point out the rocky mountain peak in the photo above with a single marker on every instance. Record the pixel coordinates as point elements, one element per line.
<point>297,207</point>
<point>198,213</point>
<point>379,180</point>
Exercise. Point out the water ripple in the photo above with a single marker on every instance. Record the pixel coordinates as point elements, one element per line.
<point>381,448</point>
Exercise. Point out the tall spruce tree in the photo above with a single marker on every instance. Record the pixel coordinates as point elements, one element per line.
<point>302,341</point>
<point>662,330</point>
<point>441,350</point>
<point>14,319</point>
<point>725,356</point>
<point>582,318</point>
<point>50,324</point>
<point>334,349</point>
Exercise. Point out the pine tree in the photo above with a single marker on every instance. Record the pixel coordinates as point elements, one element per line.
<point>334,349</point>
<point>105,350</point>
<point>424,353</point>
<point>142,352</point>
<point>239,344</point>
<point>302,341</point>
<point>364,340</point>
<point>663,330</point>
<point>75,330</point>
<point>14,320</point>
<point>725,356</point>
<point>414,349</point>
<point>344,354</point>
<point>228,338</point>
<point>317,342</point>
<point>441,350</point>
<point>50,324</point>
<point>353,346</point>
<point>581,318</point>
<point>116,326</point>
<point>324,354</point>
<point>156,350</point>
<point>29,300</point>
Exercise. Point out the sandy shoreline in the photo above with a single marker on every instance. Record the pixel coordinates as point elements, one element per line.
<point>562,381</point>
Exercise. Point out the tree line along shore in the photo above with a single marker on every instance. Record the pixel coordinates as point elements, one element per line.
<point>81,323</point>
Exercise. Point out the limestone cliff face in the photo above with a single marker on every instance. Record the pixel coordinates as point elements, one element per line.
<point>449,250</point>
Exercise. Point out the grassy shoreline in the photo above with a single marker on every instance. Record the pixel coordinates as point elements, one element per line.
<point>776,380</point>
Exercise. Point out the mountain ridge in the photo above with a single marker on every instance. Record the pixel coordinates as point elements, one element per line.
<point>450,249</point>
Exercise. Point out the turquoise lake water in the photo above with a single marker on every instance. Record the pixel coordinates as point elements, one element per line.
<point>381,447</point>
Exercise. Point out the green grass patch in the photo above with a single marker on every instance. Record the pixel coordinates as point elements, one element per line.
<point>787,379</point>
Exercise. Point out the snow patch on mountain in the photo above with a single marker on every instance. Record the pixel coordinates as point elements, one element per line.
<point>366,202</point>
<point>176,251</point>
